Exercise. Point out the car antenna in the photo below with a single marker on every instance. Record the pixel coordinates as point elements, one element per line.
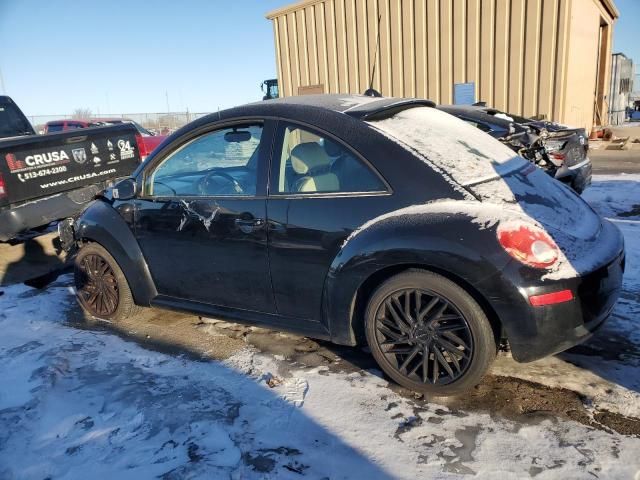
<point>372,92</point>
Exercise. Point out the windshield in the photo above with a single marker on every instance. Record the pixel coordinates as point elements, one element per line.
<point>12,122</point>
<point>464,152</point>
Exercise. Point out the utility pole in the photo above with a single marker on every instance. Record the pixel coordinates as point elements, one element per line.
<point>4,91</point>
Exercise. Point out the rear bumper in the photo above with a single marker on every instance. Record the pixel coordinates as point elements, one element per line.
<point>18,219</point>
<point>564,325</point>
<point>536,332</point>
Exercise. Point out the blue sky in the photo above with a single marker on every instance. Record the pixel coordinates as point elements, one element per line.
<point>125,56</point>
<point>627,31</point>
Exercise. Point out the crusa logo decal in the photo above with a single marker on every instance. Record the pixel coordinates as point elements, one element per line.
<point>13,163</point>
<point>41,159</point>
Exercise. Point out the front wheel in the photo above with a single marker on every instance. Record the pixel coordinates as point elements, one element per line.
<point>428,334</point>
<point>101,287</point>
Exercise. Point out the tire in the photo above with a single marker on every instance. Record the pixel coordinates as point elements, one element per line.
<point>418,312</point>
<point>101,287</point>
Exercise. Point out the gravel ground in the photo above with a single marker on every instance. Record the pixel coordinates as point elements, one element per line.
<point>177,396</point>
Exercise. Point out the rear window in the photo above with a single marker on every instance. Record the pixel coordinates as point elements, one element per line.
<point>464,152</point>
<point>12,123</point>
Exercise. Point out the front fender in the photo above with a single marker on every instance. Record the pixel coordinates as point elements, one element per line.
<point>451,241</point>
<point>102,224</point>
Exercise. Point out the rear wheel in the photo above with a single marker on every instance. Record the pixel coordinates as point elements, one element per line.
<point>101,287</point>
<point>428,334</point>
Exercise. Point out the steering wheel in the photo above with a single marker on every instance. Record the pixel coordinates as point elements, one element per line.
<point>203,182</point>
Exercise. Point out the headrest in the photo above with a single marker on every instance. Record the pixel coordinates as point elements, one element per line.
<point>308,156</point>
<point>332,148</point>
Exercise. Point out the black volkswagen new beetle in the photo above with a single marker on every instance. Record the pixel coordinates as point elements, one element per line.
<point>363,221</point>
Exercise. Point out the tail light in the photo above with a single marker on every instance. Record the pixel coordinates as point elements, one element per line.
<point>528,244</point>
<point>142,148</point>
<point>3,188</point>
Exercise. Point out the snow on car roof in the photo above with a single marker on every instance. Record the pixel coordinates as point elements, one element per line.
<point>466,153</point>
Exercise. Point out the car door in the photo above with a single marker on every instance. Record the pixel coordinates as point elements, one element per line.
<point>320,191</point>
<point>201,221</point>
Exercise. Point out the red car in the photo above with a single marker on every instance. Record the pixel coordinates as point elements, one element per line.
<point>147,141</point>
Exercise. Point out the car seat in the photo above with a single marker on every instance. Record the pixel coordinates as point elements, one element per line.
<point>311,162</point>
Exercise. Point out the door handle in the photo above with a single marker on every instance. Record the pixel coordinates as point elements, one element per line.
<point>249,225</point>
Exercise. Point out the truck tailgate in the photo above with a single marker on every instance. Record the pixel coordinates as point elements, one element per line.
<point>41,165</point>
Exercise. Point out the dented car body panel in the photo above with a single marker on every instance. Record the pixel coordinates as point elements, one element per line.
<point>308,262</point>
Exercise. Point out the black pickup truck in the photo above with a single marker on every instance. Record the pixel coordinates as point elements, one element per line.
<point>44,178</point>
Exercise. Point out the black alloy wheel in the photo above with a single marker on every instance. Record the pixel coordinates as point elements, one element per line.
<point>97,286</point>
<point>423,336</point>
<point>429,334</point>
<point>101,287</point>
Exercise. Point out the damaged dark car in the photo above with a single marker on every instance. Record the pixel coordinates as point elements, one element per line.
<point>560,151</point>
<point>377,222</point>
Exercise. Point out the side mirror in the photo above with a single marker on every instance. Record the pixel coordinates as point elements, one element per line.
<point>125,190</point>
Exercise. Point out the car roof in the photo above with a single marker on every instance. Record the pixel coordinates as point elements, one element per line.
<point>53,122</point>
<point>358,106</point>
<point>89,121</point>
<point>355,106</point>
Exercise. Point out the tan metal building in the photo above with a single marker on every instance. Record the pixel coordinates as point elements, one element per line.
<point>527,57</point>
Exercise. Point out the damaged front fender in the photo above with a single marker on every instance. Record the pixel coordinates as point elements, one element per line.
<point>102,224</point>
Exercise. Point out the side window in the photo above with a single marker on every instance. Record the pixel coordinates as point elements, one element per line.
<point>311,163</point>
<point>220,163</point>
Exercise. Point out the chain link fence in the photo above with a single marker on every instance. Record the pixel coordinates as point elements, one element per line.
<point>158,123</point>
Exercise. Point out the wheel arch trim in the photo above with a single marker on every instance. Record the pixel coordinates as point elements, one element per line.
<point>102,224</point>
<point>465,252</point>
<point>367,287</point>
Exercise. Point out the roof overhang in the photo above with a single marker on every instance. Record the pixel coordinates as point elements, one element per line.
<point>278,12</point>
<point>610,8</point>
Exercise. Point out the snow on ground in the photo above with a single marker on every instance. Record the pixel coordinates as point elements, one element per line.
<point>607,367</point>
<point>78,402</point>
<point>611,195</point>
